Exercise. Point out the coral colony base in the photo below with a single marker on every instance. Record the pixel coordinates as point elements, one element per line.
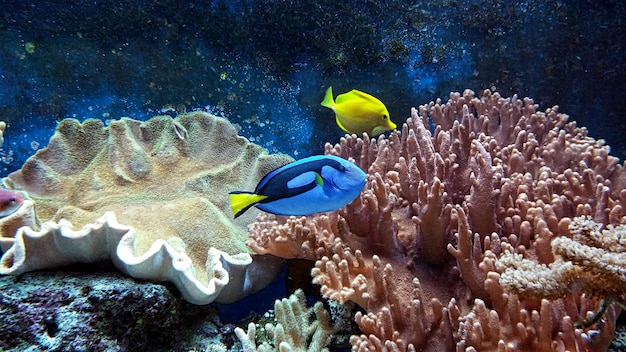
<point>459,204</point>
<point>419,250</point>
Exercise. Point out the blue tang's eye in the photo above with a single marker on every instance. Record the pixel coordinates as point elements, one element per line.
<point>341,168</point>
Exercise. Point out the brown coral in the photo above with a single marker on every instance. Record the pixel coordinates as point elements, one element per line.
<point>417,249</point>
<point>167,180</point>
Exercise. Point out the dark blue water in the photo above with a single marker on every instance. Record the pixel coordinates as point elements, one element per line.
<point>265,64</point>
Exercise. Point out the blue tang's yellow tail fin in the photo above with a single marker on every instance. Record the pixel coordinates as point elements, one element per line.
<point>242,201</point>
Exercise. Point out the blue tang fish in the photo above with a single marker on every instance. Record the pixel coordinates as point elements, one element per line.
<point>311,185</point>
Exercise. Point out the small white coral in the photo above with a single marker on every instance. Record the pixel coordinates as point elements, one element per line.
<point>294,329</point>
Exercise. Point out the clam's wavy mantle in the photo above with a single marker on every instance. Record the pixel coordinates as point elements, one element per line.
<point>150,196</point>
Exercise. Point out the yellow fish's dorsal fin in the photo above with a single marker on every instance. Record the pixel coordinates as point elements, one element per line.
<point>328,101</point>
<point>242,201</point>
<point>356,94</point>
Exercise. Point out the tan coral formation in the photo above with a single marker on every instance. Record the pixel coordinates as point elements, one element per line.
<point>592,261</point>
<point>166,180</point>
<point>417,250</point>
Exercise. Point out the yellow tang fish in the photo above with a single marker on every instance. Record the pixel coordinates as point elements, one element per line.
<point>358,112</point>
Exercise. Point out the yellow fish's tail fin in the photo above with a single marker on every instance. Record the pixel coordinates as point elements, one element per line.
<point>242,201</point>
<point>328,101</point>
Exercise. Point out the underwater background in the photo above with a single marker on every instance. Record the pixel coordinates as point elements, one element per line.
<point>264,65</point>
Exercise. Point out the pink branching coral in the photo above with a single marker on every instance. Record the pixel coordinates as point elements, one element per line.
<point>418,249</point>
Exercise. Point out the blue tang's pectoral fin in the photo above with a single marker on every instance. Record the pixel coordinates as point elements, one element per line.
<point>319,180</point>
<point>328,186</point>
<point>242,201</point>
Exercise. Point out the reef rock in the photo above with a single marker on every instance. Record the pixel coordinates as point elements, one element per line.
<point>97,309</point>
<point>151,196</point>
